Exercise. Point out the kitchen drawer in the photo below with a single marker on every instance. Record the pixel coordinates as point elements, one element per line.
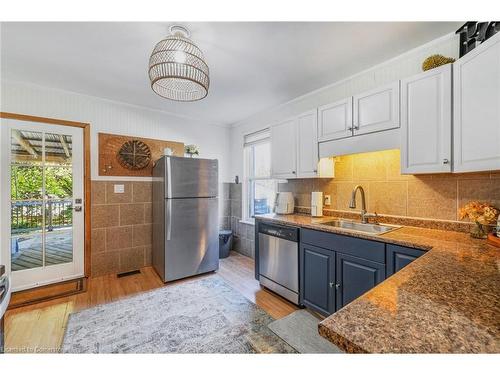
<point>366,249</point>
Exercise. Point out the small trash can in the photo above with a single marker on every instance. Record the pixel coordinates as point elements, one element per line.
<point>225,243</point>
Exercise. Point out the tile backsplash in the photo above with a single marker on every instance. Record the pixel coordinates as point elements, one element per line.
<point>388,192</point>
<point>121,226</point>
<point>243,234</point>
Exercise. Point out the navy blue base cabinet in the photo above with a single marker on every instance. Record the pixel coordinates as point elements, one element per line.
<point>317,276</point>
<point>399,257</point>
<point>336,269</point>
<point>355,276</point>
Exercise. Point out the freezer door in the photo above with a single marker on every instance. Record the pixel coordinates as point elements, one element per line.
<point>191,237</point>
<point>190,177</point>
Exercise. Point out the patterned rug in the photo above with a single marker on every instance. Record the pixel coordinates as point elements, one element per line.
<point>204,315</point>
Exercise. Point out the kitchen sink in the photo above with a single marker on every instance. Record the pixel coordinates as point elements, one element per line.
<point>361,227</point>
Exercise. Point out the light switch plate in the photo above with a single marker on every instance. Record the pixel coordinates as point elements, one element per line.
<point>119,188</point>
<point>328,200</point>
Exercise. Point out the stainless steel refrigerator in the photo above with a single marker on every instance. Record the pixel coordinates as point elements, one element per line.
<point>185,217</point>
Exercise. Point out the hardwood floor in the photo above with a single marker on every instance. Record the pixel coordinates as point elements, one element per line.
<point>40,327</point>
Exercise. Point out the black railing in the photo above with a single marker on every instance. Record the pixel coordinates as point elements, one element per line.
<point>28,215</point>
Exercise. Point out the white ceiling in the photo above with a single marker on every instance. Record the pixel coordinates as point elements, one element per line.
<point>253,66</point>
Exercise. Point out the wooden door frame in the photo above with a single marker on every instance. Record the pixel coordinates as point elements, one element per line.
<point>86,172</point>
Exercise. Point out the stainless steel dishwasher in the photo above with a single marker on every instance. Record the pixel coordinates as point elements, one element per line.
<point>279,260</point>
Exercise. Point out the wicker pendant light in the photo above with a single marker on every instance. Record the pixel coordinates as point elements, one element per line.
<point>177,69</point>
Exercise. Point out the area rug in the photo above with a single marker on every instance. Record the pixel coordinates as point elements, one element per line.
<point>204,315</point>
<point>300,331</point>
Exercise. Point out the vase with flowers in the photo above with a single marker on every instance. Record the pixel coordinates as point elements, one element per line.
<point>191,150</point>
<point>482,215</point>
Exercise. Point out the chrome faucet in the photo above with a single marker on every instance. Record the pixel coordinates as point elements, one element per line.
<point>352,204</point>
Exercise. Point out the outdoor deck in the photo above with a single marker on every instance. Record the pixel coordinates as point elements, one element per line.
<point>58,249</point>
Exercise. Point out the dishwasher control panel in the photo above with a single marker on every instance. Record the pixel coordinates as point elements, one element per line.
<point>284,232</point>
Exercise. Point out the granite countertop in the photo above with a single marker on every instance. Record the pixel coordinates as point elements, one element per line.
<point>446,301</point>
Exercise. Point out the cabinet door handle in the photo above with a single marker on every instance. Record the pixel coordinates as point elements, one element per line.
<point>446,161</point>
<point>337,286</point>
<point>294,172</point>
<point>315,171</point>
<point>331,285</point>
<point>356,127</point>
<point>350,128</point>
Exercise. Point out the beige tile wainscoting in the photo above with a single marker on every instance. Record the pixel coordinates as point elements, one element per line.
<point>388,192</point>
<point>243,234</point>
<point>121,226</point>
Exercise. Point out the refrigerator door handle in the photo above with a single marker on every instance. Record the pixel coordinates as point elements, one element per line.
<point>169,178</point>
<point>169,218</point>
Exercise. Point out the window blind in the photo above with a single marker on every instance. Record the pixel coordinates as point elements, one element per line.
<point>256,137</point>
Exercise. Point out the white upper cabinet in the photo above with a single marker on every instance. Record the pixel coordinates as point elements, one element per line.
<point>426,122</point>
<point>284,149</point>
<point>377,109</point>
<point>335,120</point>
<point>476,95</point>
<point>307,144</point>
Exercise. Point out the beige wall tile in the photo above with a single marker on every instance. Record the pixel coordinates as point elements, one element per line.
<point>105,263</point>
<point>148,213</point>
<point>343,168</point>
<point>284,186</point>
<point>369,166</point>
<point>112,197</point>
<point>131,259</point>
<point>142,191</point>
<point>479,190</point>
<point>392,160</point>
<point>470,176</point>
<point>303,185</point>
<point>142,234</point>
<point>118,238</point>
<point>433,198</point>
<point>388,197</point>
<point>148,256</point>
<point>327,186</point>
<point>303,199</point>
<point>321,184</point>
<point>105,215</point>
<point>343,196</point>
<point>131,214</point>
<point>98,240</point>
<point>98,192</point>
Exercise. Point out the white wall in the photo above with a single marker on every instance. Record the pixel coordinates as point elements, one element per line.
<point>405,65</point>
<point>117,118</point>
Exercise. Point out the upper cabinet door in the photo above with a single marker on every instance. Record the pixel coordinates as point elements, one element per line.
<point>476,95</point>
<point>307,144</point>
<point>377,110</point>
<point>426,122</point>
<point>335,120</point>
<point>284,149</point>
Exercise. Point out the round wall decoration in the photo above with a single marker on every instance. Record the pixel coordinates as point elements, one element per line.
<point>134,155</point>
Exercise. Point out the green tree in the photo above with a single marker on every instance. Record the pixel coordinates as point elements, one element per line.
<point>26,182</point>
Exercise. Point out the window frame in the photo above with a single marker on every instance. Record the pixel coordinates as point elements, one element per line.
<point>248,168</point>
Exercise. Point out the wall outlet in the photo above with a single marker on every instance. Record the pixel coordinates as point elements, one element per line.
<point>328,200</point>
<point>119,188</point>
